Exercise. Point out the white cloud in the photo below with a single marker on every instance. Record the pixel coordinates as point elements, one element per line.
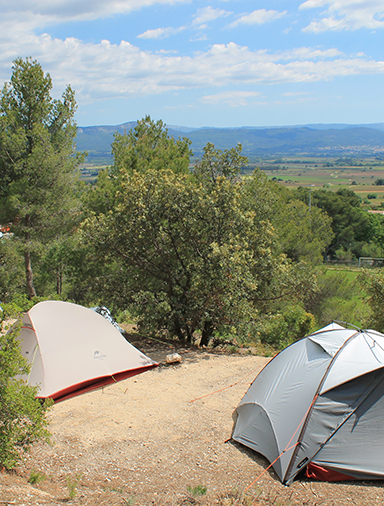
<point>106,70</point>
<point>305,53</point>
<point>109,70</point>
<point>201,18</point>
<point>207,14</point>
<point>258,17</point>
<point>346,15</point>
<point>231,98</point>
<point>42,12</point>
<point>160,33</point>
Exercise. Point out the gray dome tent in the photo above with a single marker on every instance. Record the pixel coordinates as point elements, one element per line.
<point>319,405</point>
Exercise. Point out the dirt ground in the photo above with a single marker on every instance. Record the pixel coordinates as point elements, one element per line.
<point>159,439</point>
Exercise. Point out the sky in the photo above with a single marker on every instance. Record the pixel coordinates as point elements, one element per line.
<point>220,63</point>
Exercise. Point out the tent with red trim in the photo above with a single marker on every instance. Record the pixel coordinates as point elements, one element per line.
<point>319,405</point>
<point>72,350</point>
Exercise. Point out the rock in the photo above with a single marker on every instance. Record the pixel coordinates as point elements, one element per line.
<point>173,358</point>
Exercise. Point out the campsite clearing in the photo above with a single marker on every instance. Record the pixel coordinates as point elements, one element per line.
<point>143,442</point>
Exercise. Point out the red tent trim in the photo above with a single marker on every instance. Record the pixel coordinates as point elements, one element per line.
<point>316,472</point>
<point>93,384</point>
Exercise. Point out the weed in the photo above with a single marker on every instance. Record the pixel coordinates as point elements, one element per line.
<point>36,477</point>
<point>130,501</point>
<point>72,484</point>
<point>113,489</point>
<point>199,490</point>
<point>235,498</point>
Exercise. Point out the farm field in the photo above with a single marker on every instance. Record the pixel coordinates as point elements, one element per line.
<point>357,174</point>
<point>316,173</point>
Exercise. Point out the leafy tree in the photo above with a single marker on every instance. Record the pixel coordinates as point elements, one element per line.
<point>22,416</point>
<point>350,223</point>
<point>189,252</point>
<point>377,226</point>
<point>304,232</point>
<point>215,163</point>
<point>149,147</point>
<point>37,162</point>
<point>12,271</point>
<point>373,285</point>
<point>188,257</point>
<point>334,297</point>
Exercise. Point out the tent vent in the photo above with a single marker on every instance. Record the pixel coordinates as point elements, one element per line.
<point>302,463</point>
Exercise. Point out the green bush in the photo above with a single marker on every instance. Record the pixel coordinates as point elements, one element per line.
<point>22,417</point>
<point>373,284</point>
<point>300,323</point>
<point>289,325</point>
<point>273,330</point>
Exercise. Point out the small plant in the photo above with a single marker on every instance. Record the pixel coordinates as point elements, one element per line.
<point>130,501</point>
<point>114,489</point>
<point>197,491</point>
<point>72,484</point>
<point>36,477</point>
<point>236,498</point>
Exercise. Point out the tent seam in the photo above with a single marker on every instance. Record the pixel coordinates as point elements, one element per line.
<point>310,411</point>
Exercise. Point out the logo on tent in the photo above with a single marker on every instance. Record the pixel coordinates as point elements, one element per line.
<point>97,354</point>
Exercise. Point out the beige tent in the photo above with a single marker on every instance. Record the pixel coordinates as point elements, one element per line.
<point>73,349</point>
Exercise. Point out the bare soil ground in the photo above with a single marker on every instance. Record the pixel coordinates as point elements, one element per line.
<point>159,438</point>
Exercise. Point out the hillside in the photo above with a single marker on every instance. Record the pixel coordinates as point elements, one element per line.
<point>313,140</point>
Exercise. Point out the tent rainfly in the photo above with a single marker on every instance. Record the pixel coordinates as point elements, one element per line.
<point>319,406</point>
<point>72,350</point>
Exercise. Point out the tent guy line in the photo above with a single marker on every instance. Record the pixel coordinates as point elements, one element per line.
<point>224,388</point>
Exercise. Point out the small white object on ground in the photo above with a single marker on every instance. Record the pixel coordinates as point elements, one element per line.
<point>173,358</point>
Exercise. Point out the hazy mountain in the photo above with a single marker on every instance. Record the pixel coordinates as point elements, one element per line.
<point>316,139</point>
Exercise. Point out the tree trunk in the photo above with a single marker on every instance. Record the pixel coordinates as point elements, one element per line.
<point>59,280</point>
<point>28,266</point>
<point>29,274</point>
<point>177,329</point>
<point>206,333</point>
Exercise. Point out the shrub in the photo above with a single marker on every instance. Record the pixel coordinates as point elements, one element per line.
<point>300,323</point>
<point>22,417</point>
<point>289,325</point>
<point>199,490</point>
<point>373,284</point>
<point>36,477</point>
<point>72,484</point>
<point>273,329</point>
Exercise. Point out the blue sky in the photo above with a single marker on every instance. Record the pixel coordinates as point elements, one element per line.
<point>222,63</point>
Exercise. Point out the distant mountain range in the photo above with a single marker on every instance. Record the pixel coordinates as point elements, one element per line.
<point>310,140</point>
